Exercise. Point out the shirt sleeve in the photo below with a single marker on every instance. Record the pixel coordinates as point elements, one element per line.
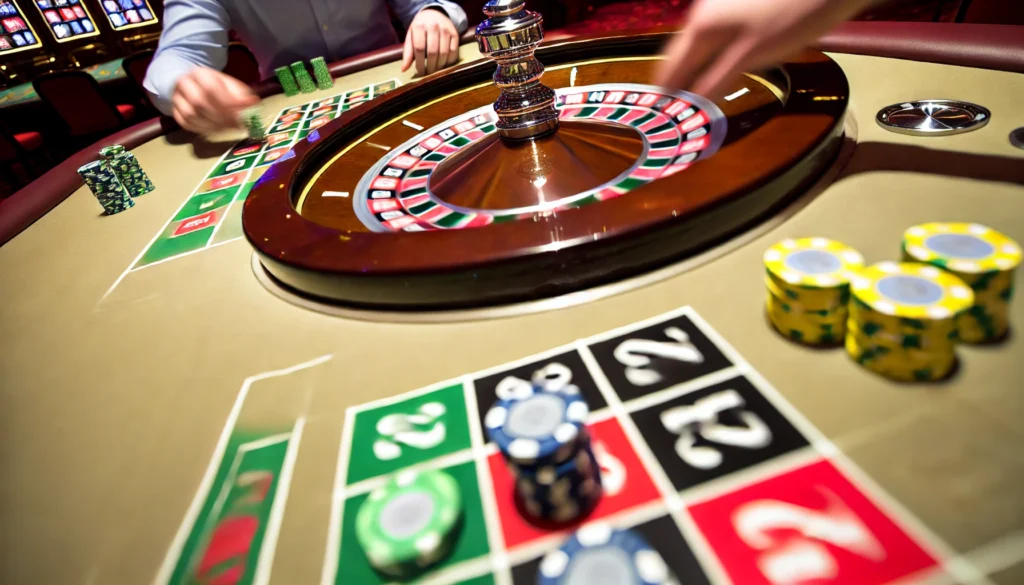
<point>406,10</point>
<point>195,34</point>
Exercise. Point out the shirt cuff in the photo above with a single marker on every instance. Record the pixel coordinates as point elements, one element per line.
<point>454,13</point>
<point>162,78</point>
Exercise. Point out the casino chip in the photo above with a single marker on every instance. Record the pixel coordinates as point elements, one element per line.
<point>409,523</point>
<point>807,283</point>
<point>980,256</point>
<point>536,426</point>
<point>106,187</point>
<point>903,320</point>
<point>962,248</point>
<point>562,493</point>
<point>598,554</point>
<point>252,119</point>
<point>913,291</point>
<point>813,263</point>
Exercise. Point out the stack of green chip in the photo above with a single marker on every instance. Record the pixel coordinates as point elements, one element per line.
<point>322,74</point>
<point>410,523</point>
<point>288,83</point>
<point>302,77</point>
<point>128,171</point>
<point>252,119</point>
<point>107,188</point>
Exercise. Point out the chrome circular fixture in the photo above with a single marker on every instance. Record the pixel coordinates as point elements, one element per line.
<point>1017,137</point>
<point>933,117</point>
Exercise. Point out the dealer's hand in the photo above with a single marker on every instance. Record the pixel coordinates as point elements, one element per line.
<point>432,42</point>
<point>722,38</point>
<point>206,101</point>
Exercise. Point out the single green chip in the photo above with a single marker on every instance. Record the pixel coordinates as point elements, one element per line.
<point>409,521</point>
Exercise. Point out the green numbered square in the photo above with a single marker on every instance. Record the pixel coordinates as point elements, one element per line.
<point>203,202</point>
<point>229,166</point>
<point>388,438</point>
<point>470,542</point>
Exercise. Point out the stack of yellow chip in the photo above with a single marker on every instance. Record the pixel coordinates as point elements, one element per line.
<point>808,282</point>
<point>980,256</point>
<point>903,320</point>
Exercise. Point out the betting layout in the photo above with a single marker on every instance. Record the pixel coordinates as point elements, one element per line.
<point>699,457</point>
<point>212,214</point>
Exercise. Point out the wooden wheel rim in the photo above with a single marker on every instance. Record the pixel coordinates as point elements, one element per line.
<point>557,252</point>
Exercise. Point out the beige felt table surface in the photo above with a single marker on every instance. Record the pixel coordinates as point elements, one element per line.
<point>111,404</point>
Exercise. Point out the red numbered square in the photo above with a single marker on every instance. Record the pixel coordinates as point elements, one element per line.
<point>382,205</point>
<point>677,107</point>
<point>196,223</point>
<point>222,182</point>
<point>384,183</point>
<point>431,143</point>
<point>403,161</point>
<point>648,99</point>
<point>463,127</point>
<point>623,478</point>
<point>275,139</point>
<point>810,526</point>
<point>694,122</point>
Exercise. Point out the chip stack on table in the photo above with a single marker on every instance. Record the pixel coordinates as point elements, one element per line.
<point>903,320</point>
<point>322,73</point>
<point>980,256</point>
<point>808,288</point>
<point>410,523</point>
<point>127,169</point>
<point>541,432</point>
<point>287,80</point>
<point>305,82</point>
<point>107,188</point>
<point>252,119</point>
<point>598,554</point>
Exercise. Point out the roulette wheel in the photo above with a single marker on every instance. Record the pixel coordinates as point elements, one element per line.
<point>543,170</point>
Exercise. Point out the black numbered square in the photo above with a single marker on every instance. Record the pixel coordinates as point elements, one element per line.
<point>715,431</point>
<point>662,534</point>
<point>657,357</point>
<point>567,367</point>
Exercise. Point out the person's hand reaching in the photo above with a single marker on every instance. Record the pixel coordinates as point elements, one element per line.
<point>722,38</point>
<point>432,42</point>
<point>206,101</point>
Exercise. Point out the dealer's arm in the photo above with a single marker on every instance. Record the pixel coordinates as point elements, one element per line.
<point>185,79</point>
<point>722,38</point>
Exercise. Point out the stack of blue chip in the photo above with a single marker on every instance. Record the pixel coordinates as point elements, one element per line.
<point>598,554</point>
<point>541,432</point>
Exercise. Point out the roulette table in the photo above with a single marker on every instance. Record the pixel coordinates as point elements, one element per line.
<point>193,390</point>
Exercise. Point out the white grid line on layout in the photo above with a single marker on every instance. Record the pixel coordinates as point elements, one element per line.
<point>447,460</point>
<point>633,516</point>
<point>189,253</point>
<point>399,398</point>
<point>265,561</point>
<point>698,545</point>
<point>333,551</point>
<point>774,467</point>
<point>673,392</point>
<point>166,568</point>
<point>492,518</point>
